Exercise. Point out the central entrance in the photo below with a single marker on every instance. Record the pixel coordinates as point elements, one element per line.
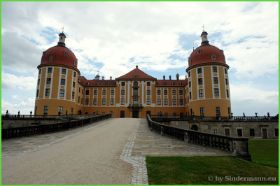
<point>135,113</point>
<point>135,106</point>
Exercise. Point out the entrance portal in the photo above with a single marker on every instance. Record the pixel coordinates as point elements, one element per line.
<point>122,114</point>
<point>135,114</point>
<point>264,133</point>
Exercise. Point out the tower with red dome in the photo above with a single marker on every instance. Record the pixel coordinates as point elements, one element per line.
<point>208,83</point>
<point>57,81</point>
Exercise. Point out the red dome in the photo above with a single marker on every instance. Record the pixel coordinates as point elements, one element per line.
<point>59,56</point>
<point>206,54</point>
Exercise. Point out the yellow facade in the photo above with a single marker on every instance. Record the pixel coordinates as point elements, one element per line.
<point>61,89</point>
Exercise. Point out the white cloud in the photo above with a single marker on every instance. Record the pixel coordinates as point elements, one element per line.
<point>20,83</point>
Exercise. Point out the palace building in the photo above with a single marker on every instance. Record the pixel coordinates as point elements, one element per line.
<point>62,90</point>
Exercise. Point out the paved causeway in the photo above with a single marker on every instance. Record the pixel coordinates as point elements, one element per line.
<point>108,152</point>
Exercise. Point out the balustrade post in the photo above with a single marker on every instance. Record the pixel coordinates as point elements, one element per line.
<point>240,148</point>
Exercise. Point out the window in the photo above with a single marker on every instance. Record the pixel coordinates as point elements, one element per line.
<point>148,92</point>
<point>225,71</point>
<point>112,92</point>
<point>215,80</point>
<point>216,92</point>
<point>61,93</point>
<point>158,92</point>
<point>49,70</point>
<point>174,101</point>
<point>200,93</point>
<point>95,92</point>
<point>214,69</point>
<point>201,111</point>
<point>39,71</point>
<point>190,84</point>
<point>46,109</point>
<point>227,93</point>
<point>74,74</point>
<point>181,92</point>
<point>165,101</point>
<point>173,92</point>
<point>252,132</point>
<point>104,92</point>
<point>158,101</point>
<point>181,102</point>
<point>62,82</point>
<point>165,92</point>
<point>73,95</point>
<point>276,132</point>
<point>227,132</point>
<point>38,82</point>
<point>189,73</point>
<point>112,101</point>
<point>123,83</point>
<point>103,101</point>
<point>122,92</point>
<point>63,71</point>
<point>47,92</point>
<point>190,96</point>
<point>226,81</point>
<point>122,101</point>
<point>86,101</point>
<point>199,70</point>
<point>87,92</point>
<point>213,57</point>
<point>148,101</point>
<point>37,93</point>
<point>239,132</point>
<point>200,81</point>
<point>218,111</point>
<point>215,131</point>
<point>148,84</point>
<point>49,81</point>
<point>94,101</point>
<point>79,89</point>
<point>74,84</point>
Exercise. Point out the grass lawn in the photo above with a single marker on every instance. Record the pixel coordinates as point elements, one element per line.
<point>205,170</point>
<point>264,152</point>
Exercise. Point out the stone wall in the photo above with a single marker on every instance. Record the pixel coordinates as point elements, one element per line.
<point>262,129</point>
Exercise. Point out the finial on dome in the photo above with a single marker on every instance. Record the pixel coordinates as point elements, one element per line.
<point>204,39</point>
<point>62,36</point>
<point>136,66</point>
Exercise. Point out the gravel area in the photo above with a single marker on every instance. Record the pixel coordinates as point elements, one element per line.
<point>87,156</point>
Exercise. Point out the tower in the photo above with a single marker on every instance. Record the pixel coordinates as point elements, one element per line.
<point>208,84</point>
<point>57,85</point>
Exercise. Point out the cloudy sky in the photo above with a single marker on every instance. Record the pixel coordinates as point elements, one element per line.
<point>115,37</point>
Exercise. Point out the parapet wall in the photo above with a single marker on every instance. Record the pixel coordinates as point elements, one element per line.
<point>249,129</point>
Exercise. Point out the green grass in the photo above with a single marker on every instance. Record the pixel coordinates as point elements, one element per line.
<point>205,170</point>
<point>264,152</point>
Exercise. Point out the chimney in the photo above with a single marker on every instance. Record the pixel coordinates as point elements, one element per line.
<point>177,76</point>
<point>110,77</point>
<point>102,77</point>
<point>169,77</point>
<point>163,77</point>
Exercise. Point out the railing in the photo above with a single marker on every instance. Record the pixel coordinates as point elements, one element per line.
<point>238,146</point>
<point>48,128</point>
<point>162,118</point>
<point>14,116</point>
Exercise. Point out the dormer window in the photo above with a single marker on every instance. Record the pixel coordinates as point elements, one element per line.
<point>213,57</point>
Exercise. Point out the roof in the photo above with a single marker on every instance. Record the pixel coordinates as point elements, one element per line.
<point>171,83</point>
<point>96,83</point>
<point>136,74</point>
<point>206,54</point>
<point>59,56</point>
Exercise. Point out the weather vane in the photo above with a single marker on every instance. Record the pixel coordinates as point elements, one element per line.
<point>62,29</point>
